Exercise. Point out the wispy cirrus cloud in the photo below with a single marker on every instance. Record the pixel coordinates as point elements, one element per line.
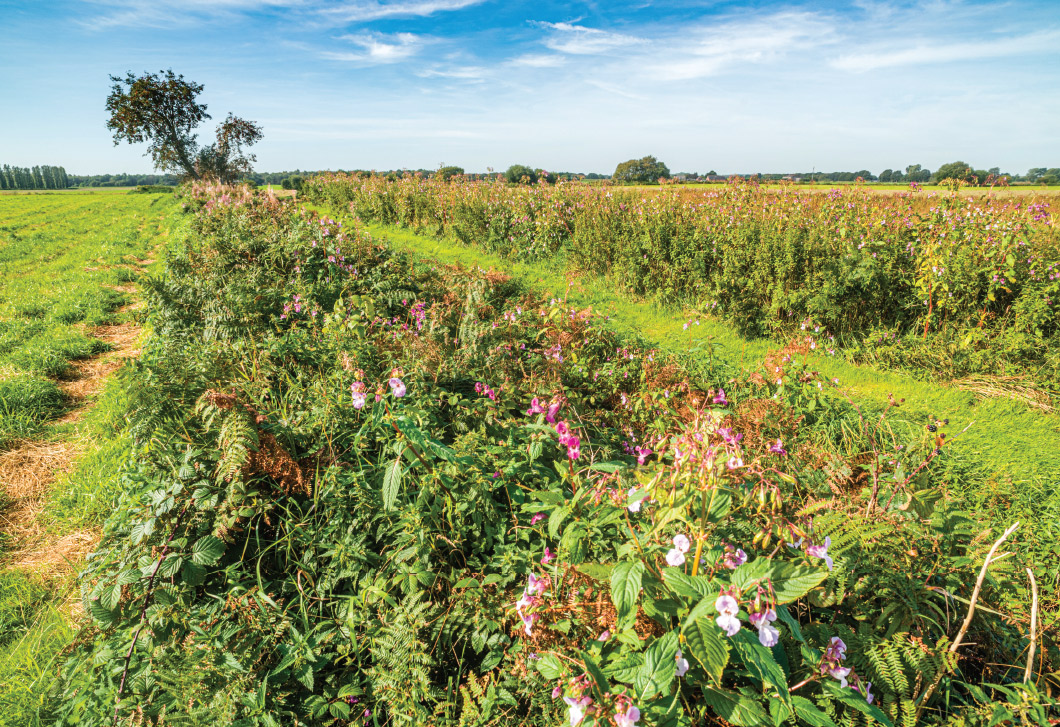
<point>708,49</point>
<point>942,52</point>
<point>153,14</point>
<point>581,40</point>
<point>378,48</point>
<point>365,10</point>
<point>538,60</point>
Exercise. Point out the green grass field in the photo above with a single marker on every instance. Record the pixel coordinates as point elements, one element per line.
<point>68,263</point>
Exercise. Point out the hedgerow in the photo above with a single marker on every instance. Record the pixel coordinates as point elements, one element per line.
<point>371,491</point>
<point>975,280</point>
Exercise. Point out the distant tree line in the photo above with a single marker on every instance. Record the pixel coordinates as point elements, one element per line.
<point>41,177</point>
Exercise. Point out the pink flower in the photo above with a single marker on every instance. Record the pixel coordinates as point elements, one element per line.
<point>778,448</point>
<point>837,650</point>
<point>553,409</point>
<point>838,672</point>
<point>642,454</point>
<point>358,400</point>
<point>734,462</point>
<point>628,718</point>
<point>535,407</point>
<point>604,636</point>
<point>720,399</point>
<point>557,691</point>
<point>733,558</point>
<point>547,557</point>
<point>563,430</point>
<point>762,620</point>
<point>573,448</point>
<point>821,551</point>
<point>727,620</point>
<point>535,585</point>
<point>397,386</point>
<point>538,517</point>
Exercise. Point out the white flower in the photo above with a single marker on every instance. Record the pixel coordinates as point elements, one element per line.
<point>634,506</point>
<point>681,543</point>
<point>727,610</point>
<point>675,557</point>
<point>682,664</point>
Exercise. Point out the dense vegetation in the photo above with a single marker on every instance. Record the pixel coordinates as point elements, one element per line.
<point>924,281</point>
<point>366,489</point>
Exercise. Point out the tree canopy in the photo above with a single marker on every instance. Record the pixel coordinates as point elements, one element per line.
<point>520,174</point>
<point>161,109</point>
<point>645,169</point>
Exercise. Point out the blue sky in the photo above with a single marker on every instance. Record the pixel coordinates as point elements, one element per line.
<point>382,84</point>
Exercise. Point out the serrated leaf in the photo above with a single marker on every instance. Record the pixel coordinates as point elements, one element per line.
<point>207,550</point>
<point>760,662</point>
<point>685,585</point>
<point>625,587</point>
<point>734,707</point>
<point>555,520</point>
<point>707,646</point>
<point>594,671</point>
<point>808,712</point>
<point>854,699</point>
<point>391,482</point>
<point>170,566</point>
<point>110,597</point>
<point>660,667</point>
<point>550,666</point>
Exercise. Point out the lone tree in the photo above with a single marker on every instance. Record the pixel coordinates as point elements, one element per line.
<point>643,170</point>
<point>161,109</point>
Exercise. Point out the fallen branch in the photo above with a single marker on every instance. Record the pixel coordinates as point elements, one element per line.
<point>923,698</point>
<point>1034,626</point>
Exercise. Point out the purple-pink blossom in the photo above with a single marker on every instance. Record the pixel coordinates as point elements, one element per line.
<point>397,386</point>
<point>727,619</point>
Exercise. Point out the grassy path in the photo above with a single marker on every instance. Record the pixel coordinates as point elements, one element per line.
<point>1005,466</point>
<point>67,301</point>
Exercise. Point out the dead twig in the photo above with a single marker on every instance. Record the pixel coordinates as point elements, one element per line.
<point>1034,626</point>
<point>923,698</point>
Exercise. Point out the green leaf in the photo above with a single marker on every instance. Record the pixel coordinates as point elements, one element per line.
<point>391,482</point>
<point>556,519</point>
<point>792,582</point>
<point>110,597</point>
<point>594,670</point>
<point>708,646</point>
<point>791,623</point>
<point>625,587</point>
<point>660,667</point>
<point>760,662</point>
<point>720,504</point>
<point>808,712</point>
<point>207,550</point>
<point>854,699</point>
<point>685,585</point>
<point>550,666</point>
<point>734,707</point>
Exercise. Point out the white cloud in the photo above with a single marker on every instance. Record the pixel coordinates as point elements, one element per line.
<point>538,60</point>
<point>370,10</point>
<point>580,40</point>
<point>939,52</point>
<point>378,48</point>
<point>154,14</point>
<point>463,73</point>
<point>707,50</point>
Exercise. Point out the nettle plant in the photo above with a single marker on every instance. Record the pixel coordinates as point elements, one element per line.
<point>693,625</point>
